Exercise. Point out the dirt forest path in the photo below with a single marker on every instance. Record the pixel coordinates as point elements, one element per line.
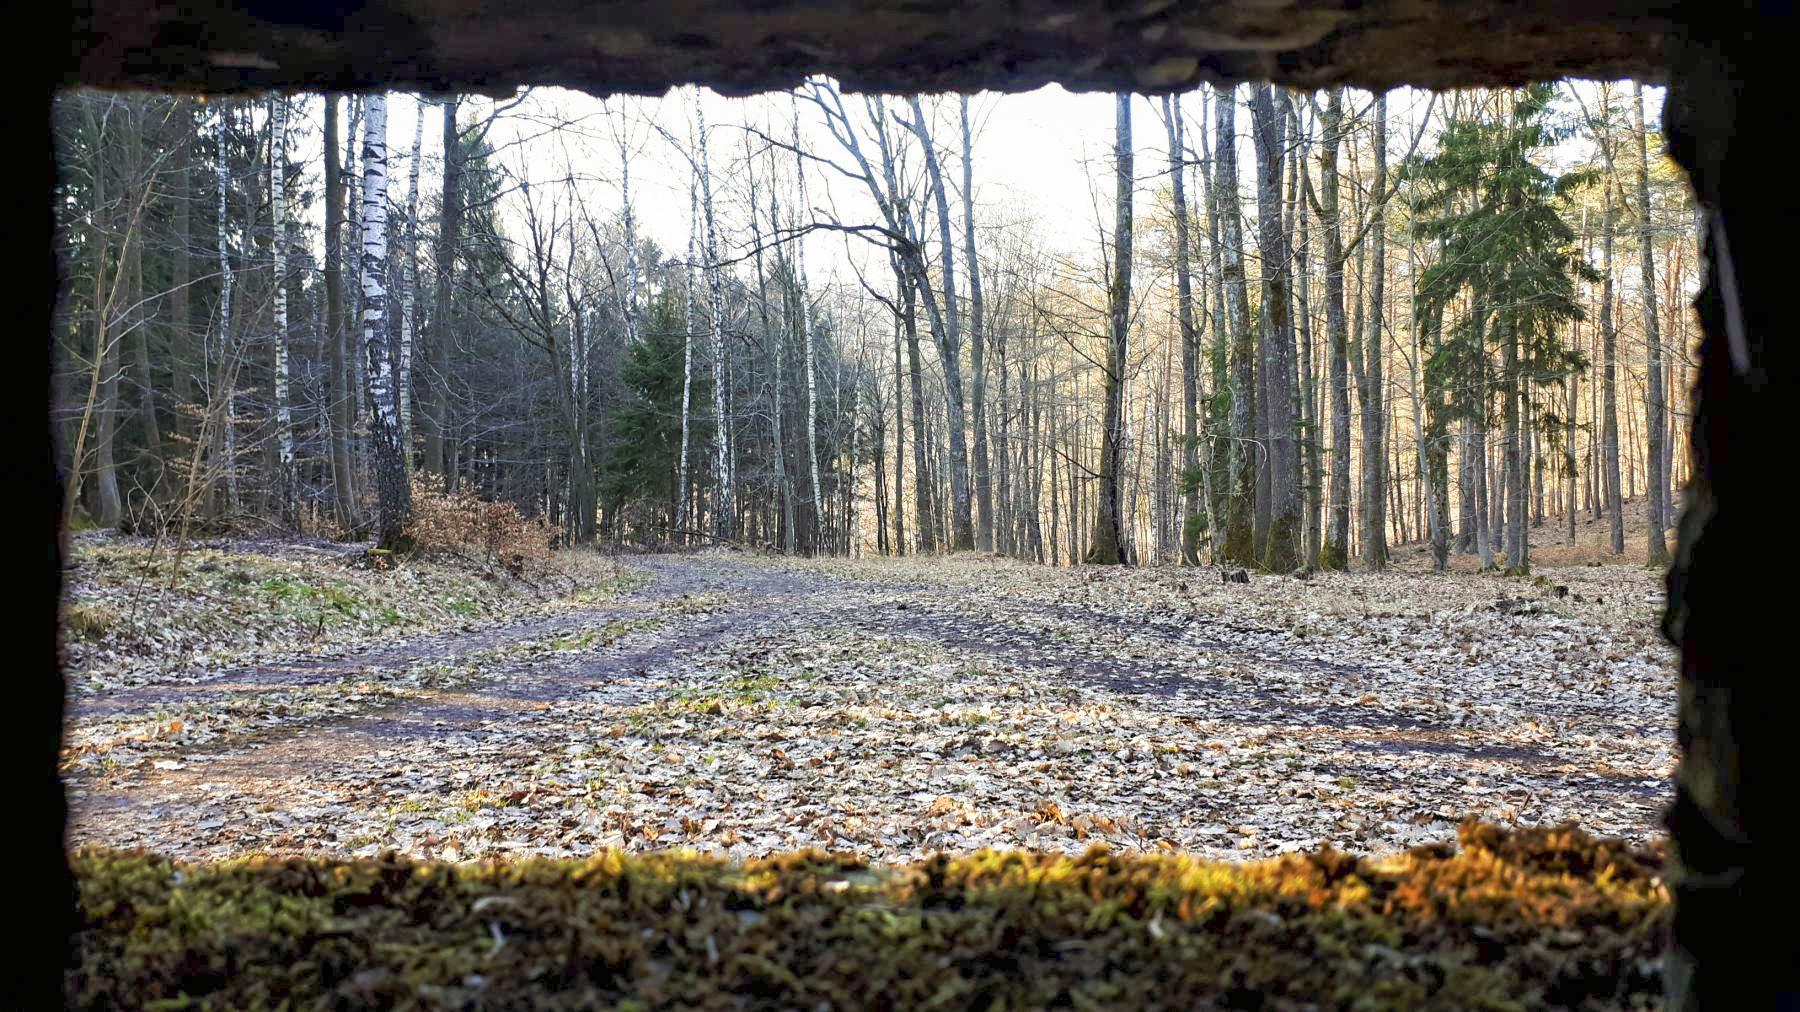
<point>742,705</point>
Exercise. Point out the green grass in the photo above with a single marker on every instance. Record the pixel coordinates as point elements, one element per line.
<point>606,635</point>
<point>1530,920</point>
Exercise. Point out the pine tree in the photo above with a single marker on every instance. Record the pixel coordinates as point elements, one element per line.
<point>1503,240</point>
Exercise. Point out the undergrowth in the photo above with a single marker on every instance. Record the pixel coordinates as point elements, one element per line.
<point>1521,920</point>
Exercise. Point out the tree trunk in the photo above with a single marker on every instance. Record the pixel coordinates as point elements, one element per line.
<point>687,360</point>
<point>286,477</point>
<point>1240,535</point>
<point>929,539</point>
<point>724,515</point>
<point>409,283</point>
<point>1655,413</point>
<point>181,270</point>
<point>1282,548</point>
<point>1374,458</point>
<point>1190,343</point>
<point>899,511</point>
<point>804,319</point>
<point>1309,393</point>
<point>783,487</point>
<point>342,392</point>
<point>449,238</point>
<point>984,491</point>
<point>228,353</point>
<point>949,339</point>
<point>395,500</point>
<point>1107,546</point>
<point>1335,552</point>
<point>1609,393</point>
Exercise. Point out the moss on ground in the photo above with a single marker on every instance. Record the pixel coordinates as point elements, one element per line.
<point>1521,920</point>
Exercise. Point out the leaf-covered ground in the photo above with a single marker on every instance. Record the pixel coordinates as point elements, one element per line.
<point>743,706</point>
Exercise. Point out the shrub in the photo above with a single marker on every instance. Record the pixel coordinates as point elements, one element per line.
<point>461,523</point>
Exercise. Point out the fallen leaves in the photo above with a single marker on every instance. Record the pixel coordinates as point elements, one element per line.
<point>1004,706</point>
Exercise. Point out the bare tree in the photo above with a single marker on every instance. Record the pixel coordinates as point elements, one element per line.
<point>1107,546</point>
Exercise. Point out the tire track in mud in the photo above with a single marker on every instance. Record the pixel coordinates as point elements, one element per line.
<point>723,608</point>
<point>508,690</point>
<point>1128,670</point>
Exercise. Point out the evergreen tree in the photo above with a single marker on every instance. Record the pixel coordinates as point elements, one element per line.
<point>1497,219</point>
<point>643,458</point>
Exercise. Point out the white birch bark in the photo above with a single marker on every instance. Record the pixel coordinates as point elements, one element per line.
<point>278,201</point>
<point>631,259</point>
<point>687,355</point>
<point>722,508</point>
<point>378,361</point>
<point>409,283</point>
<point>352,239</point>
<point>284,423</point>
<point>806,333</point>
<point>228,427</point>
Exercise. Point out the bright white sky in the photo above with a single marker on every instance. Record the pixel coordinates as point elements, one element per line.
<point>1044,154</point>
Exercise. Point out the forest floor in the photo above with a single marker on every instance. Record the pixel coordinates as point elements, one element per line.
<point>286,702</point>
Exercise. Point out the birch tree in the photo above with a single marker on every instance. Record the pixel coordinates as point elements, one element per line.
<point>285,479</point>
<point>394,497</point>
<point>722,505</point>
<point>227,351</point>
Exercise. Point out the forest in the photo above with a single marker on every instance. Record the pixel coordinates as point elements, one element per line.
<point>1294,330</point>
<point>822,550</point>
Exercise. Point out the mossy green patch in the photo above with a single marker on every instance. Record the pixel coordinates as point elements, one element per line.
<point>1524,920</point>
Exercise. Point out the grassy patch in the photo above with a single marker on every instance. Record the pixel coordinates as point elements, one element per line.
<point>88,621</point>
<point>1534,919</point>
<point>603,636</point>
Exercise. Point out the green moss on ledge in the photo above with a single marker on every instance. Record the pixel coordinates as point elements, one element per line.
<point>1530,919</point>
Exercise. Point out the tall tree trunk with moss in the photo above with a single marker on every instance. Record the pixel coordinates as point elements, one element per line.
<point>1107,547</point>
<point>1655,413</point>
<point>394,497</point>
<point>1374,460</point>
<point>1336,551</point>
<point>343,393</point>
<point>1192,517</point>
<point>1282,545</point>
<point>1240,537</point>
